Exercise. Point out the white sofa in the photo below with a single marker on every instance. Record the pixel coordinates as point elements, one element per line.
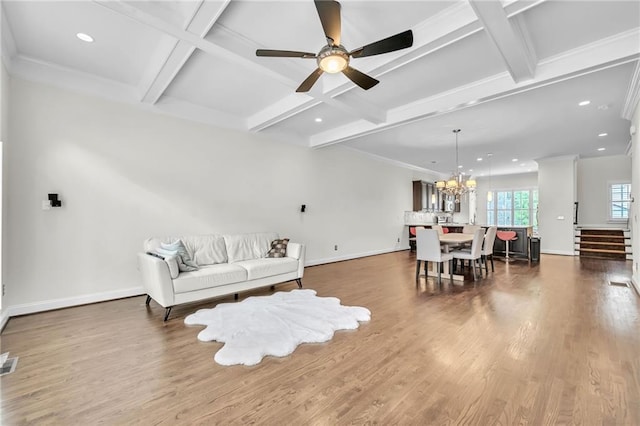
<point>228,264</point>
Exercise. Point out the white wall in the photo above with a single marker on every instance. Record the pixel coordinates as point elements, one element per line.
<point>556,195</point>
<point>502,182</point>
<point>594,177</point>
<point>4,126</point>
<point>125,174</point>
<point>635,193</point>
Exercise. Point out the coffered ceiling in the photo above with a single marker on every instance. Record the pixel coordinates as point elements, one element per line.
<point>509,73</point>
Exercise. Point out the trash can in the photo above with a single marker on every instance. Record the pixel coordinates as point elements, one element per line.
<point>534,249</point>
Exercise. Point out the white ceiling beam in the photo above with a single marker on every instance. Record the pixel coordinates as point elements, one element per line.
<point>612,51</point>
<point>195,40</point>
<point>510,41</point>
<point>206,13</point>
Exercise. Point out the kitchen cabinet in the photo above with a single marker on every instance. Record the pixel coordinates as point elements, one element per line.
<point>427,197</point>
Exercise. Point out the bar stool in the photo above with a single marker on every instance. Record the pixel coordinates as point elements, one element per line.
<point>506,236</point>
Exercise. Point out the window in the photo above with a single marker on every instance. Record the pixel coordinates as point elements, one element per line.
<point>513,208</point>
<point>619,201</point>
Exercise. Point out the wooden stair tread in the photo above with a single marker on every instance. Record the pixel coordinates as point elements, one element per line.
<point>593,250</point>
<point>604,243</point>
<point>617,237</point>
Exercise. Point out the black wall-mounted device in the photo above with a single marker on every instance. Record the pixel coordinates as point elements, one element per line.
<point>53,199</point>
<point>303,208</point>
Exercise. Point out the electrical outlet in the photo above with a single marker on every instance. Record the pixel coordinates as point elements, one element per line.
<point>335,247</point>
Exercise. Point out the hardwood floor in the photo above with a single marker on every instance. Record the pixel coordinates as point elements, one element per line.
<point>545,344</point>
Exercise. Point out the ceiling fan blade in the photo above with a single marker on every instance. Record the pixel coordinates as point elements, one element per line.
<point>310,81</point>
<point>284,53</point>
<point>360,78</point>
<point>389,44</point>
<point>329,13</point>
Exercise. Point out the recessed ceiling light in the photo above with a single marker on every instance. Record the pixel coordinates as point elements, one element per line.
<point>522,164</point>
<point>318,120</point>
<point>459,167</point>
<point>603,134</point>
<point>479,159</point>
<point>85,37</point>
<point>583,103</point>
<point>514,160</point>
<point>601,149</point>
<point>470,170</point>
<point>475,101</point>
<point>489,154</point>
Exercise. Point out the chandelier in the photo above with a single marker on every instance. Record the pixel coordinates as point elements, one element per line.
<point>456,185</point>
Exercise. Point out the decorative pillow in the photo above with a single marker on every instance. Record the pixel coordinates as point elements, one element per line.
<point>177,249</point>
<point>278,248</point>
<point>185,262</point>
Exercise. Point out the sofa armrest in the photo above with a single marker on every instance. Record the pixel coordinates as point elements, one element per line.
<point>156,279</point>
<point>297,251</point>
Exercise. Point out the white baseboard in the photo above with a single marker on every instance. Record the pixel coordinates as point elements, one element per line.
<point>47,305</point>
<point>560,252</point>
<point>4,317</point>
<point>316,262</point>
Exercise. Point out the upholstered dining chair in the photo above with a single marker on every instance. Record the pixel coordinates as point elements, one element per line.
<point>474,254</point>
<point>487,247</point>
<point>438,228</point>
<point>428,250</point>
<point>470,229</point>
<point>486,254</point>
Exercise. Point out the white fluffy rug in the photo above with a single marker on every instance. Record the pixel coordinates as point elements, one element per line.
<point>273,325</point>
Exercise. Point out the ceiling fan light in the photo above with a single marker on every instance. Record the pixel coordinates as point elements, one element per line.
<point>333,59</point>
<point>333,64</point>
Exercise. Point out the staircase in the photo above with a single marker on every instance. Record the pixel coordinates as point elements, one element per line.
<point>603,243</point>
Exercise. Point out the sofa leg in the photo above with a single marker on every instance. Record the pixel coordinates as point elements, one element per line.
<point>273,287</point>
<point>235,296</point>
<point>148,300</point>
<point>299,281</point>
<point>167,311</point>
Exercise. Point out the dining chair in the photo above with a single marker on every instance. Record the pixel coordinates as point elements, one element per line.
<point>486,253</point>
<point>487,247</point>
<point>428,250</point>
<point>438,228</point>
<point>470,229</point>
<point>473,256</point>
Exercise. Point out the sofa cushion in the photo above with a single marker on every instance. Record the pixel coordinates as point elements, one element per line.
<point>268,267</point>
<point>248,246</point>
<point>208,277</point>
<point>206,249</point>
<point>278,248</point>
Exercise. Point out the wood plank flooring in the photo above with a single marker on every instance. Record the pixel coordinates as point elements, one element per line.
<point>550,343</point>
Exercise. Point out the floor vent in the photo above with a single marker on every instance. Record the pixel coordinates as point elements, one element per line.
<point>9,366</point>
<point>619,283</point>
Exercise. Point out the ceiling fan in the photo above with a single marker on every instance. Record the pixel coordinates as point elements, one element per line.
<point>333,57</point>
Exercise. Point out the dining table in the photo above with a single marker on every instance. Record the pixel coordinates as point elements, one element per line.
<point>447,241</point>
